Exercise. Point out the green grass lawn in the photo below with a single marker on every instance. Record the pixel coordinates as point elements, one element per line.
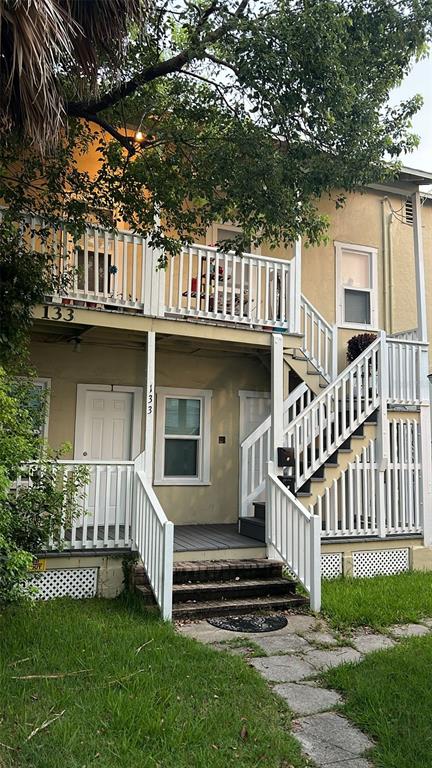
<point>377,602</point>
<point>389,696</point>
<point>143,696</point>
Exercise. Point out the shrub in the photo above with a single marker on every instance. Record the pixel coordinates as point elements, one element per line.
<point>32,512</point>
<point>357,344</point>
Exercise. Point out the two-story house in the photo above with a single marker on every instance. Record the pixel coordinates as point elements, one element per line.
<point>177,387</point>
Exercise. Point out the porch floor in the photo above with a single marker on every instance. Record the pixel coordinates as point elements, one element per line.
<point>190,538</point>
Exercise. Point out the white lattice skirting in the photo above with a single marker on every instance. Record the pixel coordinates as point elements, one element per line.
<point>380,561</point>
<point>65,582</point>
<point>331,565</point>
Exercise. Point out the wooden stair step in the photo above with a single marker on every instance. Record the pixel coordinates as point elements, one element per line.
<point>236,607</point>
<point>198,592</point>
<point>253,527</point>
<point>225,570</point>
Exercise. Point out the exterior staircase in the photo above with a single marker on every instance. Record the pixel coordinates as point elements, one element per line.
<point>305,370</point>
<point>224,588</point>
<point>323,478</point>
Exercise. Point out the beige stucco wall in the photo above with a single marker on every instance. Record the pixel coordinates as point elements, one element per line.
<point>361,222</point>
<point>223,372</point>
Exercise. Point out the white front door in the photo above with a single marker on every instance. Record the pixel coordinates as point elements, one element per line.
<point>104,433</point>
<point>107,426</point>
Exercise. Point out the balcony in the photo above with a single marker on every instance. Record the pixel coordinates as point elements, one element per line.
<point>119,272</point>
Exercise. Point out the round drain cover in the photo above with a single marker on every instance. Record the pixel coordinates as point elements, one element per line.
<point>249,623</point>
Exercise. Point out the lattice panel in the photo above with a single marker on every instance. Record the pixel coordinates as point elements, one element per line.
<point>331,565</point>
<point>65,582</point>
<point>380,561</point>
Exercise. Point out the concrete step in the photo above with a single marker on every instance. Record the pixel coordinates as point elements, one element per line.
<point>198,592</point>
<point>236,607</point>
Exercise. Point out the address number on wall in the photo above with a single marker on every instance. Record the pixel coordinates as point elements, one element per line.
<point>51,312</point>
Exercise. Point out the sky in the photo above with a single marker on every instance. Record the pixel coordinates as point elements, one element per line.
<point>419,81</point>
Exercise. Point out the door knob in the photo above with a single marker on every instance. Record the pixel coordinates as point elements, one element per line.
<point>84,453</point>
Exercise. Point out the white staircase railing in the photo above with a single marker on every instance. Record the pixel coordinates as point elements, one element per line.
<point>349,507</point>
<point>333,416</point>
<point>319,340</point>
<point>255,449</point>
<point>253,290</point>
<point>153,536</point>
<point>294,535</point>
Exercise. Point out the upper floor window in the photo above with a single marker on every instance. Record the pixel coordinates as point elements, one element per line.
<point>356,281</point>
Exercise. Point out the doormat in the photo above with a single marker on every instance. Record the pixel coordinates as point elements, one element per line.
<point>249,623</point>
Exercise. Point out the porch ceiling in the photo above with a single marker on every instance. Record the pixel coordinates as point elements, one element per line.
<point>61,332</point>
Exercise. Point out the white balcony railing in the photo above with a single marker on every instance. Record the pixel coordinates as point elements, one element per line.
<point>120,270</point>
<point>249,290</point>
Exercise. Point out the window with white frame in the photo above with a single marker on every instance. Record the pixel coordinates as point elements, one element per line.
<point>356,285</point>
<point>182,436</point>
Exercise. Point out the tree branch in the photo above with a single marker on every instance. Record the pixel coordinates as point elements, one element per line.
<point>163,68</point>
<point>126,141</point>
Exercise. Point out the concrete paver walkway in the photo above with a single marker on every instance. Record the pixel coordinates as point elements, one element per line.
<point>292,658</point>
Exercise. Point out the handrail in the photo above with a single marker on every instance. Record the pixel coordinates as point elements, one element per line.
<point>319,340</point>
<point>215,250</point>
<point>153,536</point>
<point>255,450</point>
<point>332,417</point>
<point>294,533</point>
<point>292,398</point>
<point>316,312</point>
<point>104,462</point>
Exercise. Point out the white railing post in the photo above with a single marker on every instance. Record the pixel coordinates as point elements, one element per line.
<point>334,353</point>
<point>272,552</point>
<point>296,326</point>
<point>315,563</point>
<point>167,589</point>
<point>277,363</point>
<point>382,442</point>
<point>157,298</point>
<point>150,404</point>
<point>425,447</point>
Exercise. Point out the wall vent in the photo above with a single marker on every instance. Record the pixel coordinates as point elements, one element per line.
<point>408,210</point>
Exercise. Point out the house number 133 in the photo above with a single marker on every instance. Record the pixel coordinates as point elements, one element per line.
<point>58,313</point>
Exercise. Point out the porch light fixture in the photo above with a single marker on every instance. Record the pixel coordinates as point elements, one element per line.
<point>139,136</point>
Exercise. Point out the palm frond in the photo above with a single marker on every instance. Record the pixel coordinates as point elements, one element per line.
<point>37,39</point>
